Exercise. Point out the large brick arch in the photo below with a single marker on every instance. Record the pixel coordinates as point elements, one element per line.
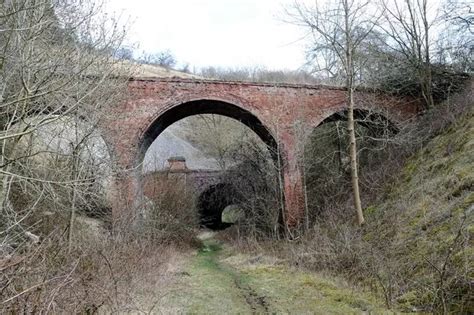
<point>273,111</point>
<point>207,105</point>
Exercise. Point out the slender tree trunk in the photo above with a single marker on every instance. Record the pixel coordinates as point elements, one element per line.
<point>350,116</point>
<point>353,157</point>
<point>74,177</point>
<point>6,179</point>
<point>281,189</point>
<point>427,63</point>
<point>3,189</point>
<point>339,147</point>
<point>72,219</point>
<point>305,191</point>
<point>4,195</point>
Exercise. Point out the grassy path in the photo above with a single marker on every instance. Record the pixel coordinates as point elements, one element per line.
<point>218,281</point>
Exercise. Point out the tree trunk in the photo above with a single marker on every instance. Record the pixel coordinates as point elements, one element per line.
<point>350,117</point>
<point>305,191</point>
<point>5,181</point>
<point>429,76</point>
<point>353,157</point>
<point>74,176</point>
<point>281,189</point>
<point>4,189</point>
<point>339,148</point>
<point>72,219</point>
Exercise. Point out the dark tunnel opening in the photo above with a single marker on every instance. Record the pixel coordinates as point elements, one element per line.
<point>377,123</point>
<point>211,204</point>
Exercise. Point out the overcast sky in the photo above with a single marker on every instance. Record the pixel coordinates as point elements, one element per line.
<point>226,33</point>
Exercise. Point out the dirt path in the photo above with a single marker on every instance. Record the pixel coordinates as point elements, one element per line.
<point>218,281</point>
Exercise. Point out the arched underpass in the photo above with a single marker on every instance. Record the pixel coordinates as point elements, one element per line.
<point>199,169</point>
<point>215,196</point>
<point>327,168</point>
<point>212,202</point>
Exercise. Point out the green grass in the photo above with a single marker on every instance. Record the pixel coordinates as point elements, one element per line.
<point>214,286</point>
<point>208,288</point>
<point>297,292</point>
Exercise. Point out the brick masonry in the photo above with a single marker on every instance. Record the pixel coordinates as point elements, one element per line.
<point>283,115</point>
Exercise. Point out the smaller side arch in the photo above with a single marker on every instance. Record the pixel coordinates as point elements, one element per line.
<point>379,121</point>
<point>327,167</point>
<point>371,119</point>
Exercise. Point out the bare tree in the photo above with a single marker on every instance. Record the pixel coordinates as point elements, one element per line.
<point>259,74</point>
<point>339,28</point>
<point>163,58</point>
<point>215,135</point>
<point>454,46</point>
<point>56,65</point>
<point>408,25</point>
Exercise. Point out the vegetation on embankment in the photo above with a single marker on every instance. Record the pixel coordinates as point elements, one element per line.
<point>426,221</point>
<point>416,249</point>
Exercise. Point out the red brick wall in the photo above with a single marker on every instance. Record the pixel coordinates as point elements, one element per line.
<point>278,107</point>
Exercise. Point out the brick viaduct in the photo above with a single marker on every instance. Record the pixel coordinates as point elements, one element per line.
<point>280,114</point>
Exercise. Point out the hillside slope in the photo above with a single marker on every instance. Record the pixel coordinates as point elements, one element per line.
<point>425,224</point>
<point>139,70</point>
<point>153,71</point>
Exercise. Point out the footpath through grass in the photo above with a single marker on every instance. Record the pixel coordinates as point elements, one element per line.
<point>219,281</point>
